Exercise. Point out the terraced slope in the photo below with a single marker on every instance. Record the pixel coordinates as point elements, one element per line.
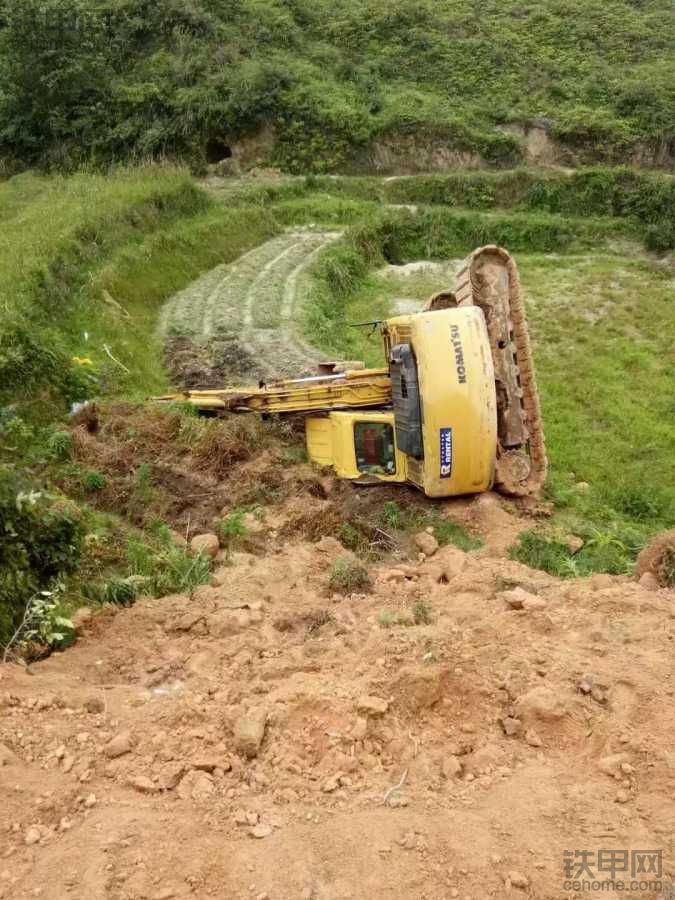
<point>252,303</point>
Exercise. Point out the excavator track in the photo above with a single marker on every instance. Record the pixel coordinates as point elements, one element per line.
<point>489,279</point>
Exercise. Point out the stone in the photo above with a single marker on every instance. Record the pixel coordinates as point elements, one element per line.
<point>452,561</point>
<point>119,745</point>
<point>170,776</point>
<point>426,543</point>
<point>540,704</point>
<point>360,729</point>
<point>451,767</point>
<point>518,880</point>
<point>582,487</point>
<point>622,797</point>
<point>249,731</point>
<point>532,738</point>
<point>211,763</point>
<point>143,784</point>
<point>372,706</point>
<point>207,544</point>
<point>32,835</point>
<point>420,688</point>
<point>612,765</point>
<point>260,831</point>
<point>517,598</point>
<point>511,726</point>
<point>7,757</point>
<point>573,543</point>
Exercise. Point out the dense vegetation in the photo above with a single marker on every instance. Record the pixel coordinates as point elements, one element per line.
<point>107,80</point>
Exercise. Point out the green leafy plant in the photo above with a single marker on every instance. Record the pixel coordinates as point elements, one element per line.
<point>93,481</point>
<point>166,568</point>
<point>421,612</point>
<point>232,530</point>
<point>386,618</point>
<point>348,575</point>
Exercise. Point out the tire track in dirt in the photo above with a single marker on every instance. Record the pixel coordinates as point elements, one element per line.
<point>252,306</point>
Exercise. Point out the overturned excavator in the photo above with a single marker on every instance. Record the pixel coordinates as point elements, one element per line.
<point>454,410</point>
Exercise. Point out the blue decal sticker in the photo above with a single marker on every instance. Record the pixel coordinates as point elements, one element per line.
<point>446,452</point>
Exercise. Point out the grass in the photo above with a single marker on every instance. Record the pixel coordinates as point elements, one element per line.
<point>80,299</point>
<point>347,576</point>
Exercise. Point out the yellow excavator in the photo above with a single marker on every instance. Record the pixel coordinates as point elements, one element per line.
<point>455,410</point>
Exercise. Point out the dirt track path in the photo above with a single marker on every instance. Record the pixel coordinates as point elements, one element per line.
<point>253,302</point>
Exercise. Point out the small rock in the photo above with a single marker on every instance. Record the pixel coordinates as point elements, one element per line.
<point>372,706</point>
<point>90,801</point>
<point>622,797</point>
<point>573,543</point>
<point>517,598</point>
<point>170,776</point>
<point>612,765</point>
<point>143,784</point>
<point>426,542</point>
<point>119,745</point>
<point>68,763</point>
<point>360,729</point>
<point>582,487</point>
<point>511,726</point>
<point>331,784</point>
<point>7,758</point>
<point>408,841</point>
<point>451,767</point>
<point>32,835</point>
<point>207,544</point>
<point>518,880</point>
<point>261,831</point>
<point>249,731</point>
<point>541,704</point>
<point>532,738</point>
<point>94,705</point>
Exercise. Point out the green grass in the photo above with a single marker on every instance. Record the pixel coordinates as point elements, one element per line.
<point>91,284</point>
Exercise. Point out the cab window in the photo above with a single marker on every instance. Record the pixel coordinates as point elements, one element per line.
<point>375,448</point>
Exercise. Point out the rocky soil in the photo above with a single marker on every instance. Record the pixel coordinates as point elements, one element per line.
<point>449,734</point>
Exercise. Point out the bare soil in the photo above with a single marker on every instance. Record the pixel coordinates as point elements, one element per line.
<point>264,739</point>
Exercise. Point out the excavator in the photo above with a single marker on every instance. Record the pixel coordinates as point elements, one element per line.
<point>455,409</point>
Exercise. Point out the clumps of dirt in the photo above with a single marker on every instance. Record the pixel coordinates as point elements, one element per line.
<point>204,365</point>
<point>657,560</point>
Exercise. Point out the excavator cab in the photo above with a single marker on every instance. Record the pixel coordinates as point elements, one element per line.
<point>440,430</point>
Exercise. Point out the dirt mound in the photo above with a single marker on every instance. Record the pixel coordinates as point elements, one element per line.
<point>434,738</point>
<point>658,560</point>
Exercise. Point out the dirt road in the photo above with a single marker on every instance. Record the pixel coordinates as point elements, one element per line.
<point>264,739</point>
<point>253,303</point>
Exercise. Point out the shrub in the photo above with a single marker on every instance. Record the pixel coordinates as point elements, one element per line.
<point>232,530</point>
<point>40,542</point>
<point>347,576</point>
<point>421,612</point>
<point>167,569</point>
<point>93,481</point>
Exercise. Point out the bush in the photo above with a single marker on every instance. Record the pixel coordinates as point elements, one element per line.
<point>40,542</point>
<point>347,576</point>
<point>166,568</point>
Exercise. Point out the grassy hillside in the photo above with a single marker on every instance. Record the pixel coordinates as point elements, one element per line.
<point>106,80</point>
<point>85,263</point>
